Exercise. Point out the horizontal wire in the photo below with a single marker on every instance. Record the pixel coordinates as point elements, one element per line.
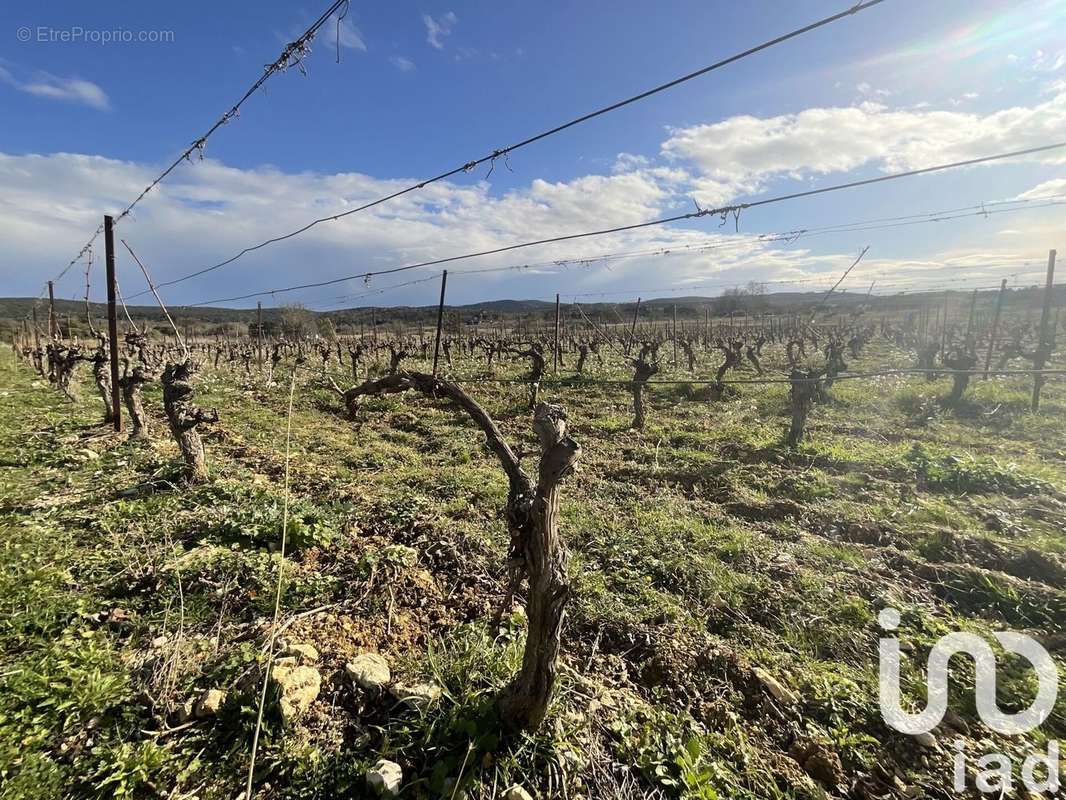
<point>722,211</point>
<point>843,376</point>
<point>295,49</point>
<point>572,297</point>
<point>984,209</point>
<point>503,152</point>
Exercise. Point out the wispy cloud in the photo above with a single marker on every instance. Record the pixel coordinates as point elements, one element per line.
<point>402,64</point>
<point>56,87</point>
<point>437,29</point>
<point>743,154</point>
<point>351,37</point>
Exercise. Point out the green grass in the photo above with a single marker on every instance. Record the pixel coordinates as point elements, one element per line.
<point>701,549</point>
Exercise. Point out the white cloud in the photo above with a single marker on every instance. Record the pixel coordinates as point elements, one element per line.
<point>1046,189</point>
<point>867,91</point>
<point>741,154</point>
<point>1048,62</point>
<point>208,211</point>
<point>437,29</point>
<point>402,64</point>
<point>55,87</point>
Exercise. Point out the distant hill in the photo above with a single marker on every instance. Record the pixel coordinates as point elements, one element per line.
<point>15,309</point>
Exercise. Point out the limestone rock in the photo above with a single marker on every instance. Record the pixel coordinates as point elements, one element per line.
<point>303,653</point>
<point>385,778</point>
<point>418,696</point>
<point>209,702</point>
<point>778,690</point>
<point>369,670</point>
<point>926,740</point>
<point>517,792</point>
<point>298,687</point>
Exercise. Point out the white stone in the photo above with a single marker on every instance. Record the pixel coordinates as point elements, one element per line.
<point>304,653</point>
<point>418,696</point>
<point>779,691</point>
<point>299,687</point>
<point>926,740</point>
<point>209,702</point>
<point>369,670</point>
<point>517,792</point>
<point>385,778</point>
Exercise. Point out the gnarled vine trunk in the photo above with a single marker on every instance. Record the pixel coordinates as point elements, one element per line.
<point>537,551</point>
<point>642,371</point>
<point>805,388</point>
<point>183,416</point>
<point>102,376</point>
<point>130,385</point>
<point>963,362</point>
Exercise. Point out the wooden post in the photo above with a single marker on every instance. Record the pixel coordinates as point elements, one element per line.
<point>555,358</point>
<point>51,312</point>
<point>440,320</point>
<point>995,325</point>
<point>1043,348</point>
<point>36,330</point>
<point>112,322</point>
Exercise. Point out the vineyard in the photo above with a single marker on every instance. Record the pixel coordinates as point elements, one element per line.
<point>729,465</point>
<point>561,558</point>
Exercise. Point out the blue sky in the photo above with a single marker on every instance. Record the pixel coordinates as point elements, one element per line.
<point>423,87</point>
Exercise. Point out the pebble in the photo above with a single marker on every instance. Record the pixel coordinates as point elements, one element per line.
<point>926,740</point>
<point>385,778</point>
<point>209,703</point>
<point>517,792</point>
<point>369,670</point>
<point>304,653</point>
<point>418,696</point>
